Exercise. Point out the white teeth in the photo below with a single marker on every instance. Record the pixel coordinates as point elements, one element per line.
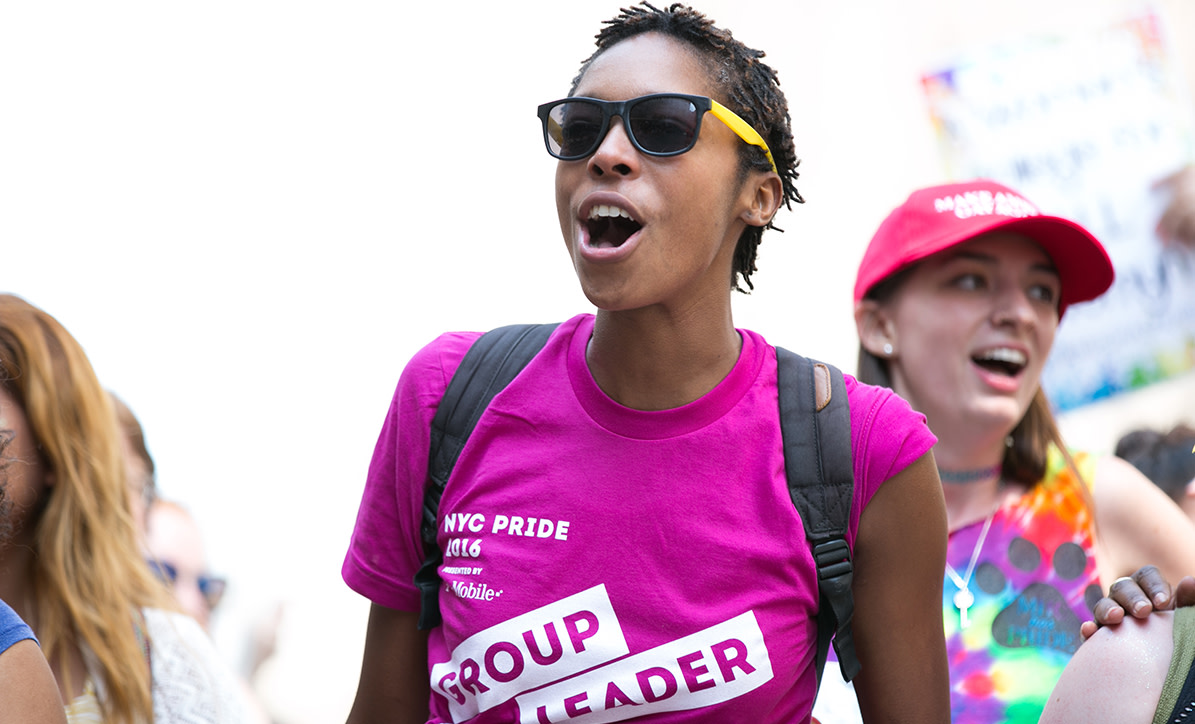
<point>602,210</point>
<point>1004,354</point>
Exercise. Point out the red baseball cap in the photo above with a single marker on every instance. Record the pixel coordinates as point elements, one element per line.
<point>939,217</point>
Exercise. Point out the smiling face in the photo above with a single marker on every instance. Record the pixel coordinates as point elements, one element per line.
<point>970,329</point>
<point>644,230</point>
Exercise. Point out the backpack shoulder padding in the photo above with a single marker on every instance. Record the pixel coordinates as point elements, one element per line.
<point>815,424</point>
<point>491,363</point>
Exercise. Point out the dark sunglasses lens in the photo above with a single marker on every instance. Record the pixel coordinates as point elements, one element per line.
<point>163,571</point>
<point>664,125</point>
<point>212,590</point>
<point>574,129</point>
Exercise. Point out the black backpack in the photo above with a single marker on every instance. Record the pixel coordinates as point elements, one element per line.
<point>815,425</point>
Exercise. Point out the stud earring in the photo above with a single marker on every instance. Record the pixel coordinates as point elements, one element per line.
<point>1008,441</point>
<point>887,349</point>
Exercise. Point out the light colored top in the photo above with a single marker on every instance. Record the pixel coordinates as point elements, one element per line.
<point>191,683</point>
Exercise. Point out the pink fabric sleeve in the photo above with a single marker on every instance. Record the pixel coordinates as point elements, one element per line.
<point>386,548</point>
<point>887,435</point>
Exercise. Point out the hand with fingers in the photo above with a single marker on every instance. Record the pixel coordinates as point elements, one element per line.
<point>1140,594</point>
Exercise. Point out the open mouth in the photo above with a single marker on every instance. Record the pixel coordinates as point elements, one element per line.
<point>1002,361</point>
<point>609,226</point>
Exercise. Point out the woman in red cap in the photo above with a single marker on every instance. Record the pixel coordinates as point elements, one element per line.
<point>957,302</point>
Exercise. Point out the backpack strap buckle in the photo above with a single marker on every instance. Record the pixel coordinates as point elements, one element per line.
<point>835,576</point>
<point>833,558</point>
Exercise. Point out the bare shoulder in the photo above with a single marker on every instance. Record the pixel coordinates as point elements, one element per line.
<point>1125,499</point>
<point>1116,675</point>
<point>27,688</point>
<point>1139,524</point>
<point>915,491</point>
<point>1116,476</point>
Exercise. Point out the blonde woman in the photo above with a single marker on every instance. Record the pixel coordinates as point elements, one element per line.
<point>70,564</point>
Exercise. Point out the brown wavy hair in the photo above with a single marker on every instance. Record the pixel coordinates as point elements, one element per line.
<point>90,579</point>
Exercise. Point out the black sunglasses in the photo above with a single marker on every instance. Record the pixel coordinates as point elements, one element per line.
<point>661,124</point>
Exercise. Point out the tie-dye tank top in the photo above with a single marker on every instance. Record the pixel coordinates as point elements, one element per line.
<point>1034,583</point>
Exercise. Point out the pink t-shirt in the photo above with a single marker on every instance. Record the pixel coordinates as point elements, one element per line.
<point>603,563</point>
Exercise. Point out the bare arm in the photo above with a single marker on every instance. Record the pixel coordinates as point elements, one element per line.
<point>27,688</point>
<point>1116,676</point>
<point>393,687</point>
<point>900,559</point>
<point>1138,525</point>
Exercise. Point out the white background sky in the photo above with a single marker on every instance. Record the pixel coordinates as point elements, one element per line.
<point>252,213</point>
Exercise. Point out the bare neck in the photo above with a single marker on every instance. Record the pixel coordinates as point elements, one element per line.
<point>650,360</point>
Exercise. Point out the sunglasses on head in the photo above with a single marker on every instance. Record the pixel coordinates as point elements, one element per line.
<point>661,124</point>
<point>210,586</point>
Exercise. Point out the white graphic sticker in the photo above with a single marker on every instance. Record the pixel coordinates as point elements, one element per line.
<point>709,667</point>
<point>538,647</point>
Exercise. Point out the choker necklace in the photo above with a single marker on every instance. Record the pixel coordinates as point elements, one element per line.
<point>969,476</point>
<point>963,598</point>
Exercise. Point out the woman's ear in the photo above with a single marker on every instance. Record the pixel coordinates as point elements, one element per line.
<point>763,200</point>
<point>877,332</point>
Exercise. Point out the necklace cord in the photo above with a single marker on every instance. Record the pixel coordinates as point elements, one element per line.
<point>964,581</point>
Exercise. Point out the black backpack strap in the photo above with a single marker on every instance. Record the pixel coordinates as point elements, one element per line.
<point>491,363</point>
<point>815,424</point>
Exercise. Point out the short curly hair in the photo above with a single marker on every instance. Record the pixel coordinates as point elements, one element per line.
<point>748,86</point>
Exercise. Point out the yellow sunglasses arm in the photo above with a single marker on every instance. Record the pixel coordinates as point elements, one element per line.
<point>742,128</point>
